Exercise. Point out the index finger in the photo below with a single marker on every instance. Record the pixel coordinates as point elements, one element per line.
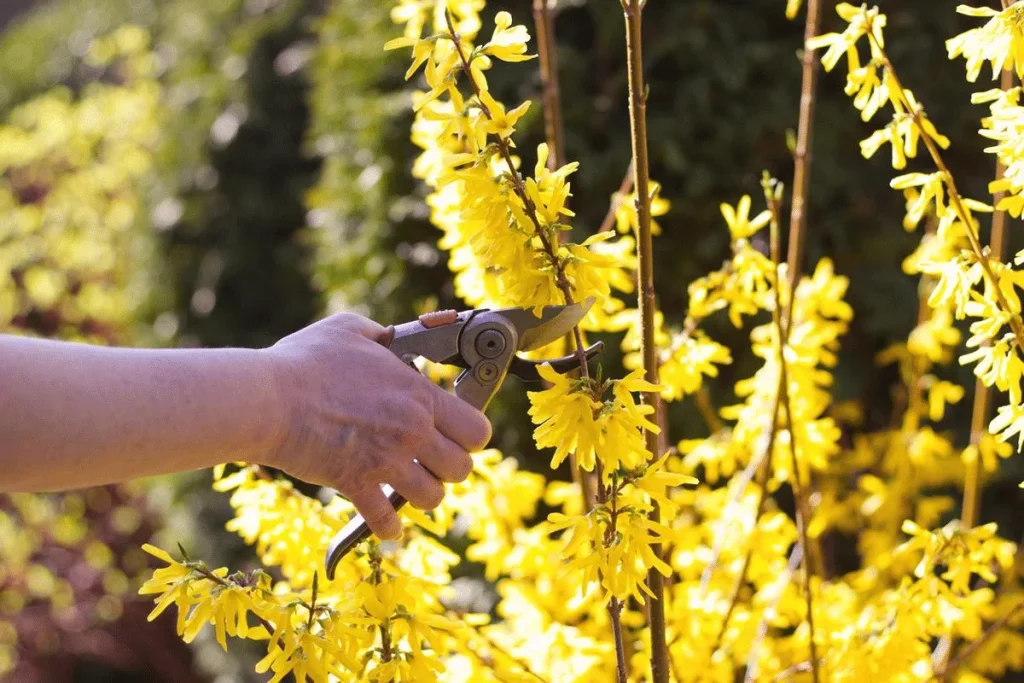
<point>461,422</point>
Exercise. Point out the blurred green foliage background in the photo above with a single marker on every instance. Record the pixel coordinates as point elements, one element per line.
<point>282,189</point>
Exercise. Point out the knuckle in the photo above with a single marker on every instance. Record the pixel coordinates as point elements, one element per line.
<point>425,394</point>
<point>435,496</point>
<point>354,324</point>
<point>347,319</point>
<point>395,426</point>
<point>417,445</point>
<point>445,404</point>
<point>402,409</point>
<point>375,460</point>
<point>406,441</point>
<point>360,491</point>
<point>381,518</point>
<point>390,410</point>
<point>415,428</point>
<point>377,515</point>
<point>462,467</point>
<point>390,526</point>
<point>484,433</point>
<point>429,496</point>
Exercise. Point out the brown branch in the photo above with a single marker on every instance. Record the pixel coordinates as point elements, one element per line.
<point>755,465</point>
<point>519,187</point>
<point>797,238</point>
<point>954,195</point>
<point>802,156</point>
<point>970,649</point>
<point>734,596</point>
<point>615,612</point>
<point>555,134</point>
<point>633,13</point>
<point>971,505</point>
<point>798,489</point>
<point>983,394</point>
<point>625,187</point>
<point>604,494</point>
<point>544,27</point>
<point>801,514</point>
<point>504,148</point>
<point>707,410</point>
<point>543,21</point>
<point>795,558</point>
<point>500,649</point>
<point>615,605</point>
<point>205,572</point>
<point>385,626</point>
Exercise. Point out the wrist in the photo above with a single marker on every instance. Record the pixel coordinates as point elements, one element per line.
<point>244,422</point>
<point>273,427</point>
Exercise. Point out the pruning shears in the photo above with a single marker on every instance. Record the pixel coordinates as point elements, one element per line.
<point>484,342</point>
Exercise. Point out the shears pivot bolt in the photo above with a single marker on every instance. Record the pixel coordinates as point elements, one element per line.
<point>490,343</point>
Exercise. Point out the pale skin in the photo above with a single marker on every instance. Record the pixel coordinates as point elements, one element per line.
<point>328,405</point>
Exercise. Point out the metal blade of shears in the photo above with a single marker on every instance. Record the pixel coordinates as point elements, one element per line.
<point>553,323</point>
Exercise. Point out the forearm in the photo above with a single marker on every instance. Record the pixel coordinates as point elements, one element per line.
<point>74,415</point>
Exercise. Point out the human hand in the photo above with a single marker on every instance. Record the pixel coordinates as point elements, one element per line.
<point>355,416</point>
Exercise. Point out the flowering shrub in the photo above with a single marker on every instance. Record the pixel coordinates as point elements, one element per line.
<point>673,561</point>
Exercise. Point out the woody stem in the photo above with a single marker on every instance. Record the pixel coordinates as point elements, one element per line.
<point>633,14</point>
<point>802,515</point>
<point>971,506</point>
<point>519,187</point>
<point>543,21</point>
<point>955,199</point>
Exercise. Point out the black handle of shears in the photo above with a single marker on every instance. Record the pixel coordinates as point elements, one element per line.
<point>488,363</point>
<point>354,533</point>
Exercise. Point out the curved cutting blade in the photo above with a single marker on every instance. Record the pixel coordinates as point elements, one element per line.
<point>553,323</point>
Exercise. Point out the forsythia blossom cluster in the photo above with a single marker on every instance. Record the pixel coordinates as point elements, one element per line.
<point>903,470</point>
<point>736,604</point>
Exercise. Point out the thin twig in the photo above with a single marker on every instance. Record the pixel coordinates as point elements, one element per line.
<point>798,489</point>
<point>802,155</point>
<point>519,187</point>
<point>385,626</point>
<point>604,495</point>
<point>971,506</point>
<point>707,410</point>
<point>614,608</point>
<point>738,484</point>
<point>795,558</point>
<point>741,578</point>
<point>205,572</point>
<point>497,647</point>
<point>615,605</point>
<point>544,25</point>
<point>633,13</point>
<point>543,22</point>
<point>802,158</point>
<point>970,649</point>
<point>625,187</point>
<point>954,195</point>
<point>801,515</point>
<point>982,396</point>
